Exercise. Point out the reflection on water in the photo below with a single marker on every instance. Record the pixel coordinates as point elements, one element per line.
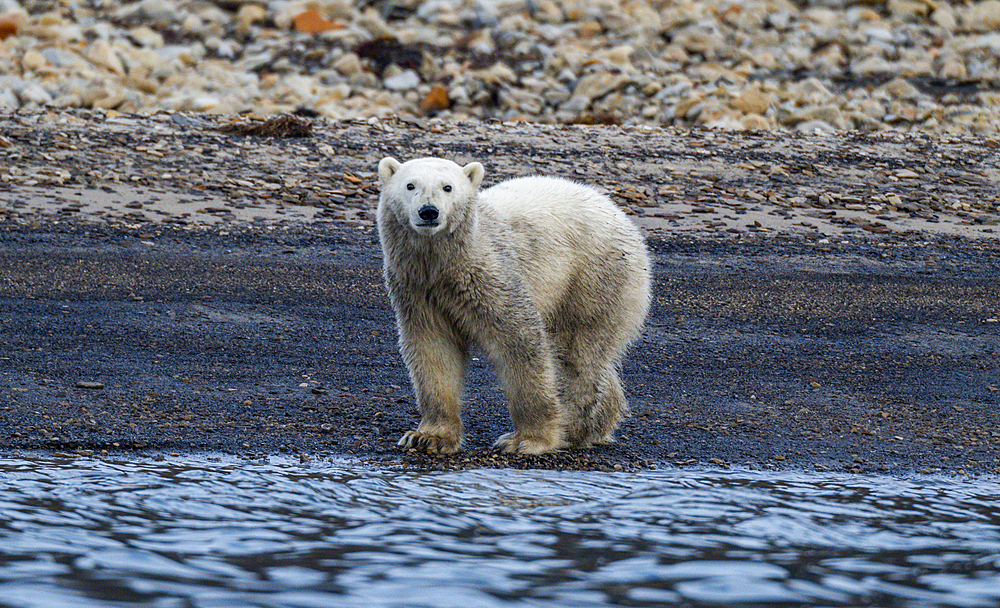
<point>206,534</point>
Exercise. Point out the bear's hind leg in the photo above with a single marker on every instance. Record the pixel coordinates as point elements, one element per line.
<point>612,408</point>
<point>592,391</point>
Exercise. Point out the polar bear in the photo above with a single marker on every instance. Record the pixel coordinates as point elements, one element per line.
<point>546,276</point>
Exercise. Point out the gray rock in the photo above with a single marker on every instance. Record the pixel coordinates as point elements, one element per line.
<point>249,63</point>
<point>576,104</point>
<point>61,58</point>
<point>155,11</point>
<point>8,100</point>
<point>34,94</point>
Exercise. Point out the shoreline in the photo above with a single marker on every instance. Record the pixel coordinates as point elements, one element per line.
<point>822,347</point>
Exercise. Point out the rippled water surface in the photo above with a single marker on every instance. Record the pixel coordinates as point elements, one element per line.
<point>204,533</point>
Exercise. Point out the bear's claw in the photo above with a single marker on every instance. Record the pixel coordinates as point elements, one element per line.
<point>512,443</point>
<point>428,442</point>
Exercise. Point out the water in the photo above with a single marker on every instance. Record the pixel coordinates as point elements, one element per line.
<point>279,533</point>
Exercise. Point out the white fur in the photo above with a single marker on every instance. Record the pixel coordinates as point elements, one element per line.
<point>573,226</point>
<point>545,275</point>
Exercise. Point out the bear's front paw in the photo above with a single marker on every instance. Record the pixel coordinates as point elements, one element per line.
<point>430,442</point>
<point>514,443</point>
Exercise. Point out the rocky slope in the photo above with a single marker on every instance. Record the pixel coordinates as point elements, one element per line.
<point>920,65</point>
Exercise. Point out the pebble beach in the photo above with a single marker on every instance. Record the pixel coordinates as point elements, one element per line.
<point>832,65</point>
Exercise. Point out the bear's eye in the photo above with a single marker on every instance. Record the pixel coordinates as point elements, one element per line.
<point>410,186</point>
<point>447,188</point>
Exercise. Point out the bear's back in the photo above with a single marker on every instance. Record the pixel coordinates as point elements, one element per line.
<point>546,199</point>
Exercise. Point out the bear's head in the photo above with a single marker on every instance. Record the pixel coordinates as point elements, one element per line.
<point>430,195</point>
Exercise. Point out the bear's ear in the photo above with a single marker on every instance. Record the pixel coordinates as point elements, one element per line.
<point>387,167</point>
<point>475,173</point>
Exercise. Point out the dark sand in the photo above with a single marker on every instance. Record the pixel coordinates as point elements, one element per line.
<point>764,353</point>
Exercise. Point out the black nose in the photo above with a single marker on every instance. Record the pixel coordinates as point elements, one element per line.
<point>428,213</point>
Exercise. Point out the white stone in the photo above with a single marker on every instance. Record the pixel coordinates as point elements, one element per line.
<point>301,88</point>
<point>187,53</point>
<point>459,95</point>
<point>34,93</point>
<point>880,34</point>
<point>619,55</point>
<point>908,10</point>
<point>495,74</point>
<point>521,101</point>
<point>70,32</point>
<point>32,60</point>
<point>254,61</point>
<point>822,16</point>
<point>100,29</point>
<point>8,100</point>
<point>989,43</point>
<point>193,24</point>
<point>815,126</point>
<point>404,81</point>
<point>725,123</point>
<point>828,114</point>
<point>338,9</point>
<point>71,100</point>
<point>556,95</point>
<point>203,103</point>
<point>223,48</point>
<point>700,42</point>
<point>444,12</point>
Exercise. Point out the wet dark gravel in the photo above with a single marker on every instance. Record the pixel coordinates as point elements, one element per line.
<point>865,354</point>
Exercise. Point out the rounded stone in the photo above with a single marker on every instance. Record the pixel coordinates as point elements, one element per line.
<point>404,81</point>
<point>32,60</point>
<point>983,16</point>
<point>753,101</point>
<point>755,122</point>
<point>249,15</point>
<point>348,64</point>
